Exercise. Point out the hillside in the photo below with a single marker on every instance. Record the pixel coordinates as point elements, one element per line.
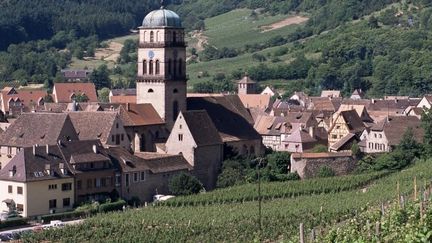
<point>238,220</point>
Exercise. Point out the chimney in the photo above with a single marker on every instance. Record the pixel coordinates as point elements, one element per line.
<point>311,132</point>
<point>95,150</point>
<point>62,168</point>
<point>47,149</point>
<point>48,169</point>
<point>34,149</point>
<point>127,106</point>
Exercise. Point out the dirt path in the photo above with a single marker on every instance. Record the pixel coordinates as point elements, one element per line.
<point>286,22</point>
<point>111,53</point>
<point>202,40</point>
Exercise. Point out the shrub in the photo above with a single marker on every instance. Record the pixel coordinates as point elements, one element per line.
<point>115,206</point>
<point>184,184</point>
<point>13,222</point>
<point>63,216</point>
<point>326,171</point>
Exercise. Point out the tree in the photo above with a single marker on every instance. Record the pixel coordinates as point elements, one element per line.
<point>184,184</point>
<point>279,162</point>
<point>427,126</point>
<point>373,22</point>
<point>319,149</point>
<point>100,77</point>
<point>103,95</point>
<point>81,98</point>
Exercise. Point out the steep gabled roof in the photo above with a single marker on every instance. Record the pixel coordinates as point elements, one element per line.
<point>64,91</point>
<point>394,128</point>
<point>28,98</point>
<point>38,128</point>
<point>228,114</point>
<point>202,128</point>
<point>139,115</point>
<point>300,136</point>
<point>256,101</point>
<point>93,125</point>
<point>353,121</point>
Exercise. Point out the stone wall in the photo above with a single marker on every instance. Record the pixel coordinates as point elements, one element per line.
<point>310,167</point>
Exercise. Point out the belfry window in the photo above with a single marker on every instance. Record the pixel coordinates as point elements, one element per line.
<point>151,67</point>
<point>174,37</point>
<point>175,110</point>
<point>151,36</point>
<point>145,67</point>
<point>175,69</point>
<point>169,67</point>
<point>157,67</point>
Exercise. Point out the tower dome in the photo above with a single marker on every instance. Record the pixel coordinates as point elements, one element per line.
<point>162,18</point>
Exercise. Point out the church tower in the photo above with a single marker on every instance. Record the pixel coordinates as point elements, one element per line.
<point>161,79</point>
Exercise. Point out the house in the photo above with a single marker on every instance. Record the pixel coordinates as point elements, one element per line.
<point>35,128</point>
<point>357,94</point>
<point>37,182</point>
<point>66,92</point>
<point>78,75</point>
<point>14,101</point>
<point>304,119</point>
<point>94,172</point>
<point>300,141</point>
<point>273,130</point>
<point>425,102</point>
<point>308,165</point>
<point>385,135</point>
<point>283,107</point>
<point>103,125</point>
<point>145,174</point>
<point>196,138</point>
<point>270,91</point>
<point>122,96</point>
<point>143,125</point>
<point>232,120</point>
<point>380,109</point>
<point>414,111</point>
<point>346,129</point>
<point>331,93</point>
<point>360,109</point>
<point>301,97</point>
<point>324,103</point>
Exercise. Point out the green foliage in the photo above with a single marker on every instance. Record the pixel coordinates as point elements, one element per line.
<point>100,77</point>
<point>81,98</point>
<point>114,206</point>
<point>326,171</point>
<point>319,149</point>
<point>238,220</point>
<point>103,95</point>
<point>184,184</point>
<point>13,223</point>
<point>279,162</point>
<point>427,126</point>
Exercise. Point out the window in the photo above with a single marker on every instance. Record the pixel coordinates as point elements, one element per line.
<point>79,185</point>
<point>150,91</point>
<point>151,67</point>
<point>117,139</point>
<point>380,136</point>
<point>175,91</point>
<point>20,190</point>
<point>136,177</point>
<point>142,176</point>
<point>66,186</point>
<point>175,68</point>
<point>375,135</point>
<point>52,187</point>
<point>157,67</point>
<point>89,183</point>
<point>10,190</point>
<point>112,138</point>
<point>151,36</point>
<point>122,137</point>
<point>103,182</point>
<point>145,67</point>
<point>334,136</point>
<point>180,137</point>
<point>174,37</point>
<point>337,127</point>
<point>20,208</point>
<point>66,202</point>
<point>180,126</point>
<point>118,179</point>
<point>127,179</point>
<point>98,183</point>
<point>52,203</point>
<point>169,66</point>
<point>175,110</point>
<point>117,126</point>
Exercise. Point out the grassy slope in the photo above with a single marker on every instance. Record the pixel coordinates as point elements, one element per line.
<point>236,28</point>
<point>237,221</point>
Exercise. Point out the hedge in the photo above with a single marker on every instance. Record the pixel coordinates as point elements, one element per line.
<point>115,206</point>
<point>13,222</point>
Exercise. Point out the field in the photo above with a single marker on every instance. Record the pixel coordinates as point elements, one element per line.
<point>238,28</point>
<point>239,221</point>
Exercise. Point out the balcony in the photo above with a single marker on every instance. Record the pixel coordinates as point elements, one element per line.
<point>148,77</point>
<point>161,44</point>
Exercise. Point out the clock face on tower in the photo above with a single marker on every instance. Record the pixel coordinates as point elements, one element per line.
<point>151,54</point>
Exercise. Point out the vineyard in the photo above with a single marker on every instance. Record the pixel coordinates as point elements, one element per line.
<point>275,190</point>
<point>239,221</point>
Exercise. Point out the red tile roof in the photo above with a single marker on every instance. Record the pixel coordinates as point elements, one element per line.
<point>28,98</point>
<point>62,92</point>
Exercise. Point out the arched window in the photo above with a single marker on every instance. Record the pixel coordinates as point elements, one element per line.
<point>180,67</point>
<point>169,66</point>
<point>151,67</point>
<point>174,68</point>
<point>175,91</point>
<point>151,36</point>
<point>142,143</point>
<point>175,110</point>
<point>145,67</point>
<point>150,91</point>
<point>174,37</point>
<point>157,67</point>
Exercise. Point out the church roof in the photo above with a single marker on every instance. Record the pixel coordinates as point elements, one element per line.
<point>162,18</point>
<point>246,80</point>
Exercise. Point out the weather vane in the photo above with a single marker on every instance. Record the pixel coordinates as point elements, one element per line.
<point>162,3</point>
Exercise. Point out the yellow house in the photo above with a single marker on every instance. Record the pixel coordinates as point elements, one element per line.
<point>347,125</point>
<point>36,182</point>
